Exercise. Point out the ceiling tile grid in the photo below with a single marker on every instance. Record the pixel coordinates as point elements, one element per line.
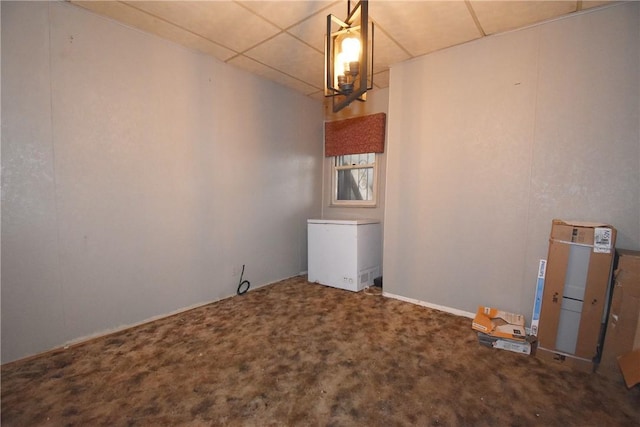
<point>262,70</point>
<point>292,57</point>
<point>283,40</point>
<point>223,22</point>
<point>425,26</point>
<point>496,17</point>
<point>286,14</point>
<point>133,17</point>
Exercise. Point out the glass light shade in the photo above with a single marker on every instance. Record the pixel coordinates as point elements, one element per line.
<point>349,56</point>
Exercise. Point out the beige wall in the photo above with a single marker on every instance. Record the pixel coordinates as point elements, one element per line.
<point>139,176</point>
<point>491,140</point>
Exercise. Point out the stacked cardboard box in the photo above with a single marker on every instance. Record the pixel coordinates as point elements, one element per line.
<point>623,326</point>
<point>522,347</point>
<point>500,324</point>
<point>576,287</point>
<point>501,329</point>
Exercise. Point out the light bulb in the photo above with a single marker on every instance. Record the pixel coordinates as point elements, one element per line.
<point>351,49</point>
<point>341,64</point>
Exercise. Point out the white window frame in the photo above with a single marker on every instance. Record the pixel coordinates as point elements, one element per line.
<point>353,203</point>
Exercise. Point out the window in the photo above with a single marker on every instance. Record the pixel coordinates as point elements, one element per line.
<point>354,180</point>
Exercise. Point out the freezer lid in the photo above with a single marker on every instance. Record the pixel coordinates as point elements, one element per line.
<point>343,221</point>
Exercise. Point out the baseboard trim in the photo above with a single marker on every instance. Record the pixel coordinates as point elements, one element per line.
<point>446,309</point>
<point>181,310</point>
<point>106,332</point>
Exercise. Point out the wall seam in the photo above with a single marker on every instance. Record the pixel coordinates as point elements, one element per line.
<point>527,220</point>
<point>638,65</point>
<point>58,278</point>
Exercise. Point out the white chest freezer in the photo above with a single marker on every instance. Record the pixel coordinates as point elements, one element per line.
<point>345,254</point>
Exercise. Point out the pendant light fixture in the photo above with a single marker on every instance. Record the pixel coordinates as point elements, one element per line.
<point>349,56</point>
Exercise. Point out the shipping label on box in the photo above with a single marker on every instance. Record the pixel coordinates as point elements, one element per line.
<point>498,323</point>
<point>602,242</point>
<point>600,237</point>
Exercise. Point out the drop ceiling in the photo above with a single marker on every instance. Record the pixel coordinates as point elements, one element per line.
<point>284,40</point>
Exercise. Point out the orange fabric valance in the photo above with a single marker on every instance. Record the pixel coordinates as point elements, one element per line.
<point>357,135</point>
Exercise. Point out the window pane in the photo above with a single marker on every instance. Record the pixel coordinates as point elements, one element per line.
<point>355,184</point>
<point>356,159</point>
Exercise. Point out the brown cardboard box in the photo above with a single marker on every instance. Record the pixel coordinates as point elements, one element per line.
<point>523,347</point>
<point>500,324</point>
<point>578,363</point>
<point>630,367</point>
<point>576,288</point>
<point>623,327</point>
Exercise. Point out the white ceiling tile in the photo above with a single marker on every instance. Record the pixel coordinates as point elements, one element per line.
<point>283,40</point>
<point>386,51</point>
<point>495,17</point>
<point>262,70</point>
<point>223,22</point>
<point>313,29</point>
<point>292,57</point>
<point>286,13</point>
<point>381,80</point>
<point>587,4</point>
<point>250,65</point>
<point>295,84</point>
<point>318,95</point>
<point>425,26</point>
<point>125,14</point>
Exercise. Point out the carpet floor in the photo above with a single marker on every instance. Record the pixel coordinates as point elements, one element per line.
<point>295,353</point>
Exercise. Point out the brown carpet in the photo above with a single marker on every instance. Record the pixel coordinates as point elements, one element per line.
<point>295,353</point>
